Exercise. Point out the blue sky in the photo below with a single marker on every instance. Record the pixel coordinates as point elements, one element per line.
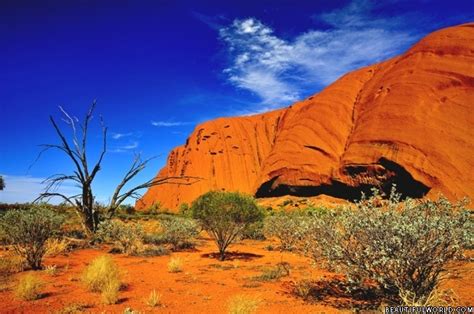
<point>158,68</point>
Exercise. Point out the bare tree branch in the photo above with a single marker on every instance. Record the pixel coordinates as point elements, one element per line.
<point>136,167</point>
<point>77,153</point>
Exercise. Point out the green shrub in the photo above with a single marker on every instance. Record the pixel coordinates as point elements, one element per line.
<point>27,230</point>
<point>179,232</point>
<point>185,210</point>
<point>401,245</point>
<point>254,231</point>
<point>225,216</point>
<point>288,227</point>
<point>126,237</point>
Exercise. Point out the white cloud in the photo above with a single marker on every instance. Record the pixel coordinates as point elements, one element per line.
<point>22,189</point>
<point>125,148</point>
<point>117,136</point>
<point>168,123</point>
<point>280,71</point>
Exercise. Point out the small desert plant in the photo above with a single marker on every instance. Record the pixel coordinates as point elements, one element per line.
<point>274,273</point>
<point>243,304</point>
<point>29,288</point>
<point>175,265</point>
<point>110,292</point>
<point>401,245</point>
<point>225,216</point>
<point>127,237</point>
<point>185,210</point>
<point>11,264</point>
<point>154,299</point>
<point>286,227</point>
<point>152,250</point>
<point>103,275</point>
<point>129,310</point>
<point>27,230</point>
<point>73,308</point>
<point>303,289</point>
<point>56,247</point>
<point>254,231</point>
<point>179,232</point>
<point>51,270</point>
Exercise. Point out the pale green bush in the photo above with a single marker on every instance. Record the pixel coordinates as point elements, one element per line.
<point>179,232</point>
<point>287,227</point>
<point>28,230</point>
<point>401,245</point>
<point>126,237</point>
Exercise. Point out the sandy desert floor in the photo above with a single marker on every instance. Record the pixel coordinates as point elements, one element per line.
<point>205,284</point>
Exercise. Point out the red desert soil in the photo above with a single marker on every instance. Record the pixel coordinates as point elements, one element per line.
<point>407,120</point>
<point>204,286</point>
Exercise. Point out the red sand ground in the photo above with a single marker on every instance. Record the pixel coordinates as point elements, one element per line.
<point>204,286</point>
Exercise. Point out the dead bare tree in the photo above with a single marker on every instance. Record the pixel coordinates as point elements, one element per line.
<point>83,175</point>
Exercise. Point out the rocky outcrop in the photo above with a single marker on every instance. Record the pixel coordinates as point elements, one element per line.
<point>408,121</point>
<point>226,154</point>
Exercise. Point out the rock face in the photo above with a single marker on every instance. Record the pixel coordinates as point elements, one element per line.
<point>408,121</point>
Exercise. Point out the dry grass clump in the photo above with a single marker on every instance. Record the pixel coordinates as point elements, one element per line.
<point>243,304</point>
<point>110,292</point>
<point>51,270</point>
<point>29,288</point>
<point>303,288</point>
<point>55,247</point>
<point>103,275</point>
<point>274,273</point>
<point>73,308</point>
<point>437,297</point>
<point>175,265</point>
<point>154,299</point>
<point>10,264</point>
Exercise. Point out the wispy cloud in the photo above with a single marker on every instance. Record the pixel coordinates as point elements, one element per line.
<point>280,71</point>
<point>21,189</point>
<point>169,123</point>
<point>214,22</point>
<point>131,146</point>
<point>117,136</point>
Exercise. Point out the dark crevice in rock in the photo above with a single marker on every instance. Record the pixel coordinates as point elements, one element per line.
<point>407,186</point>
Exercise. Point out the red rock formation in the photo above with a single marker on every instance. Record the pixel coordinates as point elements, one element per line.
<point>226,153</point>
<point>408,121</point>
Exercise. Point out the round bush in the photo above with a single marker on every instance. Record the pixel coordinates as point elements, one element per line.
<point>226,216</point>
<point>27,230</point>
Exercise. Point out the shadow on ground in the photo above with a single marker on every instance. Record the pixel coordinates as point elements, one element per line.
<point>230,256</point>
<point>338,293</point>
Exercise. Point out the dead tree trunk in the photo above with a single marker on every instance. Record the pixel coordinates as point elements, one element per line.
<point>76,150</point>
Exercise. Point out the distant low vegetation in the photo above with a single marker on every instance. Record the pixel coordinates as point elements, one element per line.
<point>398,248</point>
